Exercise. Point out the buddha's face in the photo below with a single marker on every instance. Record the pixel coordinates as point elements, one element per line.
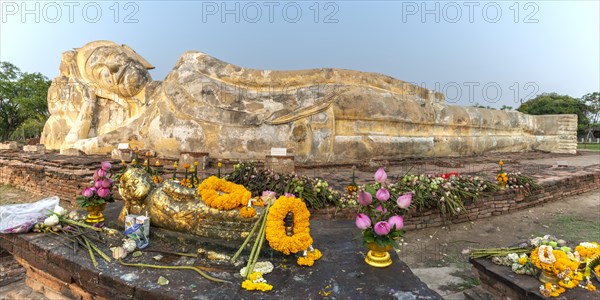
<point>135,185</point>
<point>114,70</point>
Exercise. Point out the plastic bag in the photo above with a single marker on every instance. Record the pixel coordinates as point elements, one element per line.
<point>19,218</point>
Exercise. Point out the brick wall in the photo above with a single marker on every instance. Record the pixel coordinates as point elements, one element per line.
<point>490,204</point>
<point>49,174</point>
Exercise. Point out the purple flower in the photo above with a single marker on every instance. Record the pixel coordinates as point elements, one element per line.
<point>88,192</point>
<point>381,209</point>
<point>289,195</point>
<point>363,221</point>
<point>103,192</point>
<point>106,183</point>
<point>364,198</point>
<point>105,165</point>
<point>397,221</point>
<point>383,195</point>
<point>380,175</point>
<point>101,173</point>
<point>404,200</point>
<point>382,228</point>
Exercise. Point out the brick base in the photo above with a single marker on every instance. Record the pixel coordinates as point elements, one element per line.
<point>52,287</point>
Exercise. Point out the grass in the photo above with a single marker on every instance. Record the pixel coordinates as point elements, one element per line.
<point>574,229</point>
<point>586,146</point>
<point>470,281</point>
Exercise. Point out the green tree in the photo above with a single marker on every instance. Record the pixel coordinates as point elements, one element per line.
<point>592,101</point>
<point>23,105</point>
<point>555,104</point>
<point>506,107</point>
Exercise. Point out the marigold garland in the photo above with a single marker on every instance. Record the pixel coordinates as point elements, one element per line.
<point>257,201</point>
<point>233,195</point>
<point>247,212</point>
<point>275,230</point>
<point>562,266</point>
<point>310,258</point>
<point>256,282</point>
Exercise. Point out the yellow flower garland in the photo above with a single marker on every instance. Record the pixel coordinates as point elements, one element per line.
<point>233,195</point>
<point>563,265</point>
<point>310,258</point>
<point>256,282</point>
<point>275,230</point>
<point>247,212</point>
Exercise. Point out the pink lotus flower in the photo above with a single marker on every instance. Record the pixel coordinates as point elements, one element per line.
<point>363,221</point>
<point>101,173</point>
<point>380,175</point>
<point>103,192</point>
<point>106,183</point>
<point>397,221</point>
<point>381,209</point>
<point>364,198</point>
<point>289,195</point>
<point>269,194</point>
<point>95,176</point>
<point>382,228</point>
<point>98,184</point>
<point>105,165</point>
<point>404,200</point>
<point>88,192</point>
<point>383,195</point>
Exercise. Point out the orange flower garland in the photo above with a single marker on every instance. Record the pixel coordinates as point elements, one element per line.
<point>275,228</point>
<point>221,194</point>
<point>247,212</point>
<point>310,258</point>
<point>562,266</point>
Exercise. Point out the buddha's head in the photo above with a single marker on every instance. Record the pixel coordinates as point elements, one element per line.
<point>135,185</point>
<point>114,68</point>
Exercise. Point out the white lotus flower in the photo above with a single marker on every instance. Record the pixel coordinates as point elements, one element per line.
<point>51,220</point>
<point>59,210</point>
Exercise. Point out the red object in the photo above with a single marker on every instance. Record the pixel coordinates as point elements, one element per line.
<point>448,175</point>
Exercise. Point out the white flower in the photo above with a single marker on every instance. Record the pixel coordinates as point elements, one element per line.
<point>118,252</point>
<point>588,245</point>
<point>263,267</point>
<point>59,210</point>
<point>129,245</point>
<point>513,256</point>
<point>51,220</point>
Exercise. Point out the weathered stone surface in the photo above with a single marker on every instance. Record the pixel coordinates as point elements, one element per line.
<point>35,148</point>
<point>104,96</point>
<point>9,146</point>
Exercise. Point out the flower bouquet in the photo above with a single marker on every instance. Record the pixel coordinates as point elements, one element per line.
<point>94,198</point>
<point>380,226</point>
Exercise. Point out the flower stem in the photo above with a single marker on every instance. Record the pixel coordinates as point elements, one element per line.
<point>175,268</point>
<point>254,253</point>
<point>87,244</point>
<point>95,248</point>
<point>235,256</point>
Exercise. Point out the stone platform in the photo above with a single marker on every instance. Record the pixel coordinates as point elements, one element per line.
<point>503,283</point>
<point>53,269</point>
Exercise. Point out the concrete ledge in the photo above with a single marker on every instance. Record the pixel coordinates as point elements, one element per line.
<point>505,284</point>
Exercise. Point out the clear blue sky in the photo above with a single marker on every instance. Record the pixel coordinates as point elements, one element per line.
<point>519,49</point>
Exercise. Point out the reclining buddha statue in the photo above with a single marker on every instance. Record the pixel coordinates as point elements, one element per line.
<point>171,206</point>
<point>104,95</point>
